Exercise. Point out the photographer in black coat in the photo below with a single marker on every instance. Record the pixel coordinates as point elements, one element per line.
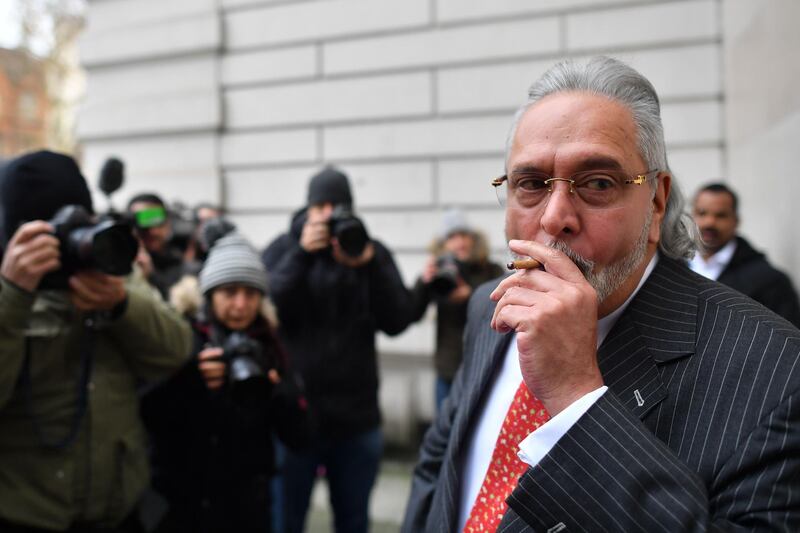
<point>211,423</point>
<point>334,288</point>
<point>459,263</point>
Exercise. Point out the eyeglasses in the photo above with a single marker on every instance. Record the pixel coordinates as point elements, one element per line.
<point>597,189</point>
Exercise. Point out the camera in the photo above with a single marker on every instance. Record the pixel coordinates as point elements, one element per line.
<point>348,230</point>
<point>107,245</point>
<point>246,376</point>
<point>448,270</point>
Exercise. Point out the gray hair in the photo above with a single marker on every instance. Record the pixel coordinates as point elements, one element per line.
<point>617,81</point>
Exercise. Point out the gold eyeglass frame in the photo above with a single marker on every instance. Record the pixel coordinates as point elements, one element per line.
<point>638,179</point>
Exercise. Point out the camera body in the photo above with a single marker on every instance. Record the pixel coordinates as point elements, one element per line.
<point>448,271</point>
<point>348,230</point>
<point>245,357</point>
<point>107,245</point>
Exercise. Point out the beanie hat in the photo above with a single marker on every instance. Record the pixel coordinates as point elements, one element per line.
<point>454,221</point>
<point>35,186</point>
<point>233,260</point>
<point>329,185</point>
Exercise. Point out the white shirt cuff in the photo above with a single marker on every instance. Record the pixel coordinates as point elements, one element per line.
<point>539,443</point>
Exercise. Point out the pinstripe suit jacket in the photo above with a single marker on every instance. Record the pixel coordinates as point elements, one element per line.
<point>699,430</point>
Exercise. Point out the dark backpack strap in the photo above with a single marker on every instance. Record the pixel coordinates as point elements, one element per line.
<point>82,392</point>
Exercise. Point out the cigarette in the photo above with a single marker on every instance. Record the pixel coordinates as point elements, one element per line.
<point>523,264</point>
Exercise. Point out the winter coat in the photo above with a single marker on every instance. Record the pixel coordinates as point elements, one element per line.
<point>749,273</point>
<point>329,315</point>
<point>99,477</point>
<point>451,317</point>
<point>212,453</point>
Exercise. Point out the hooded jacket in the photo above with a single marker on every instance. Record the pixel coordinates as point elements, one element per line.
<point>750,273</point>
<point>329,315</point>
<point>213,454</point>
<point>53,362</point>
<point>451,317</point>
<point>99,477</point>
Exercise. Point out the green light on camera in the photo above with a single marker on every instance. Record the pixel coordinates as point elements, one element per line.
<point>150,217</point>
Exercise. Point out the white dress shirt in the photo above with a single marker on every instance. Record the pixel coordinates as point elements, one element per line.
<point>714,265</point>
<point>533,448</point>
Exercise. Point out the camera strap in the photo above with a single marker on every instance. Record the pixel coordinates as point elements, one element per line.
<point>87,348</point>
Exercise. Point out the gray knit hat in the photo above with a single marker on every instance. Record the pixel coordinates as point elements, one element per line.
<point>233,260</point>
<point>454,221</point>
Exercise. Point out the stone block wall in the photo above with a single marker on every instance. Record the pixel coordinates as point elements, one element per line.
<point>240,101</point>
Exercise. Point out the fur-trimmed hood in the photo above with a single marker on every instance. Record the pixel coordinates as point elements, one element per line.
<point>186,298</point>
<point>480,251</point>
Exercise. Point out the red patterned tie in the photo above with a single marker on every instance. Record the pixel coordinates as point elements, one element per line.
<point>525,414</point>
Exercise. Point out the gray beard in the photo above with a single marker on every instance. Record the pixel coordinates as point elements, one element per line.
<point>614,275</point>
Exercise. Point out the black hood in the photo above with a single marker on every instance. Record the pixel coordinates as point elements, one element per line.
<point>36,185</point>
<point>329,185</point>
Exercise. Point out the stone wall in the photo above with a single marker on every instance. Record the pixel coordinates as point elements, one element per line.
<point>239,101</point>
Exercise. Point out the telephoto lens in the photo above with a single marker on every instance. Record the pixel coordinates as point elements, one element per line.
<point>108,245</point>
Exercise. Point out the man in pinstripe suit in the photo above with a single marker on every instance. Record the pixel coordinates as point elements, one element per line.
<point>672,399</point>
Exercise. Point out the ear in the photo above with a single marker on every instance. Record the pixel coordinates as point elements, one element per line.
<point>660,199</point>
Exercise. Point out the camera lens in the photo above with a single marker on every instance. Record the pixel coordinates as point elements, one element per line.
<point>113,249</point>
<point>447,274</point>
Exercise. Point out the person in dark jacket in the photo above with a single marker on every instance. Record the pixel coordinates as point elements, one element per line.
<point>211,423</point>
<point>331,302</point>
<point>75,342</point>
<point>459,262</point>
<point>728,258</point>
<point>163,263</point>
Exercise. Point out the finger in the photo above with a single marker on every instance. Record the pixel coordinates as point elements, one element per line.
<point>82,282</point>
<point>538,280</point>
<point>80,303</point>
<point>91,279</point>
<point>42,240</point>
<point>212,368</point>
<point>28,231</point>
<point>78,284</point>
<point>522,298</point>
<point>36,256</point>
<point>81,289</point>
<point>554,261</point>
<point>210,353</point>
<point>519,318</point>
<point>214,383</point>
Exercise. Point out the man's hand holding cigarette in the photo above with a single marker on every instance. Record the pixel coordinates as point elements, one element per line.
<point>554,313</point>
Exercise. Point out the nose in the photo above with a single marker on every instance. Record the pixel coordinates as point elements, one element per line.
<point>559,216</point>
<point>705,220</point>
<point>239,299</point>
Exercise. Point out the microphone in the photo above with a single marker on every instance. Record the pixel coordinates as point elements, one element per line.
<point>111,175</point>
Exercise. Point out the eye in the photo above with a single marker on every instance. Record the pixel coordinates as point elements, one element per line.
<point>597,183</point>
<point>229,291</point>
<point>531,183</point>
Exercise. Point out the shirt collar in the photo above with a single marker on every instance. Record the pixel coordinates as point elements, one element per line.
<point>605,324</point>
<point>723,256</point>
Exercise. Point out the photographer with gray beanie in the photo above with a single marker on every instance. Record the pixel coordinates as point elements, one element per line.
<point>334,288</point>
<point>212,422</point>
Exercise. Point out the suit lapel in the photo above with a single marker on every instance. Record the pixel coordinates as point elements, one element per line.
<point>481,361</point>
<point>657,327</point>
